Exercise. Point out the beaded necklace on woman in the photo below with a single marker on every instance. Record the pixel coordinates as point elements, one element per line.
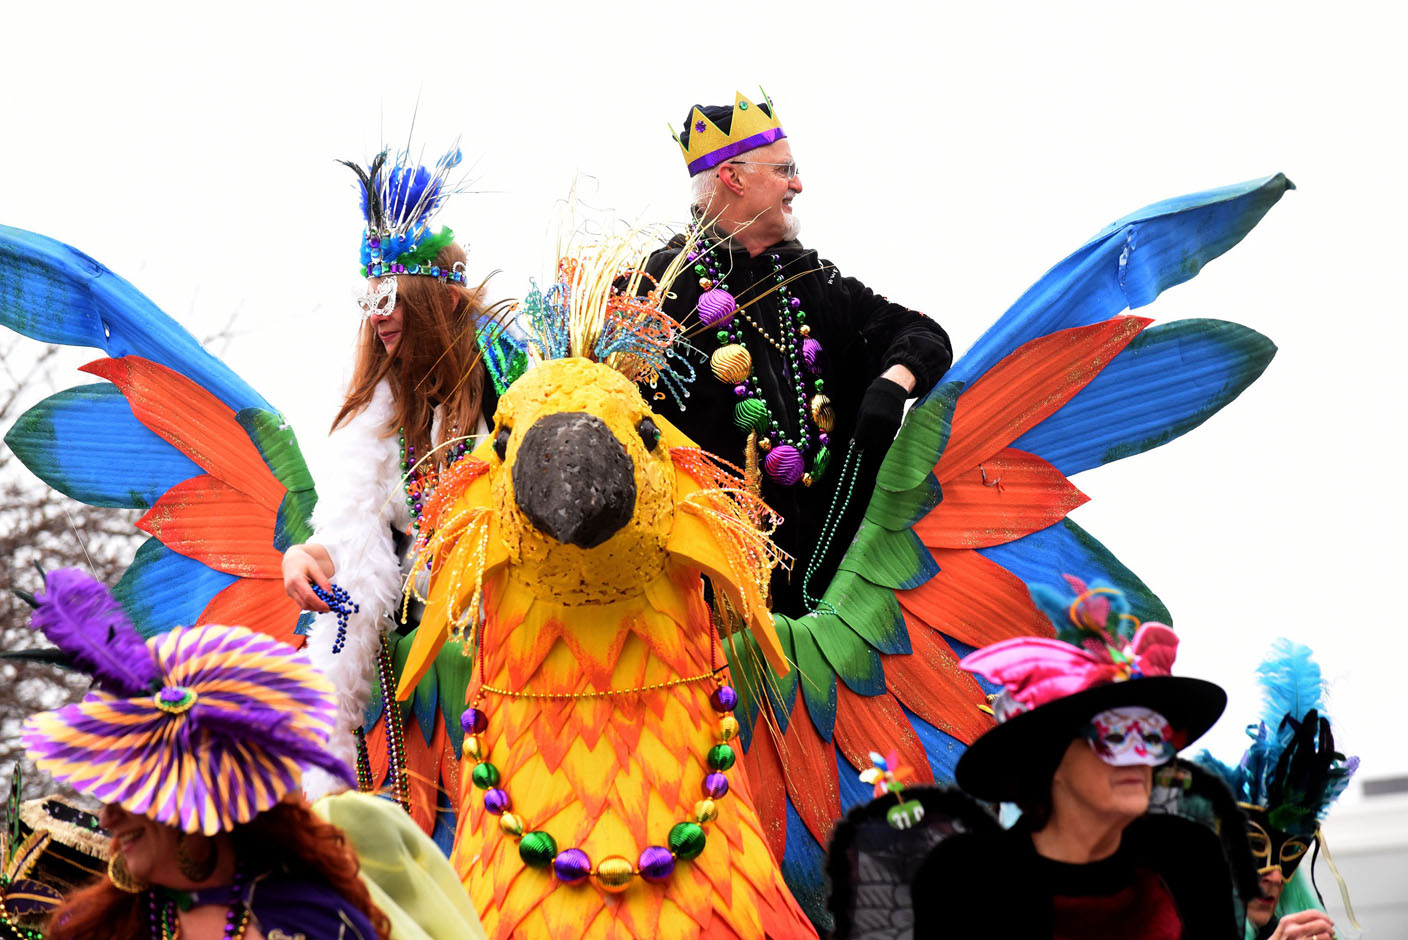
<point>165,918</point>
<point>799,458</point>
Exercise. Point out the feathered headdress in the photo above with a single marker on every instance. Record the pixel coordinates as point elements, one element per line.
<point>1097,641</point>
<point>201,728</point>
<point>1291,768</point>
<point>399,203</point>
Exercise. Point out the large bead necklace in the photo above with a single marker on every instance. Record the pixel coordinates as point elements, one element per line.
<point>572,866</point>
<point>786,458</point>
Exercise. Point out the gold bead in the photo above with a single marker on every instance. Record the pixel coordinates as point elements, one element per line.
<point>823,414</point>
<point>731,363</point>
<point>706,811</point>
<point>728,728</point>
<point>764,444</point>
<point>614,874</point>
<point>705,284</point>
<point>474,747</point>
<point>511,824</point>
<point>805,330</point>
<point>806,479</point>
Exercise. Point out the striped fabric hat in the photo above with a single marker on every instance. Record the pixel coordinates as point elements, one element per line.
<point>201,728</point>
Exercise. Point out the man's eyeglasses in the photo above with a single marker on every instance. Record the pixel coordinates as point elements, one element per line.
<point>788,170</point>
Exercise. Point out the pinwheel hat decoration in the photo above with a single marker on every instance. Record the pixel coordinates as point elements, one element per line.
<point>1104,675</point>
<point>201,728</point>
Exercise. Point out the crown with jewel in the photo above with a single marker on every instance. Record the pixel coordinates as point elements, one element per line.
<point>752,127</point>
<point>399,201</point>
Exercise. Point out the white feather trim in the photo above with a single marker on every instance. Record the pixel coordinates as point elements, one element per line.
<point>356,508</point>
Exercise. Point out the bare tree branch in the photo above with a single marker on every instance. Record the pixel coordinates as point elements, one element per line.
<point>40,525</point>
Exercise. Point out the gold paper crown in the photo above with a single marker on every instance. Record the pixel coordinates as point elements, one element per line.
<point>751,128</point>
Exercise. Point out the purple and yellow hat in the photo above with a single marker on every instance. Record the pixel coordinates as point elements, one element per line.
<point>714,135</point>
<point>202,728</point>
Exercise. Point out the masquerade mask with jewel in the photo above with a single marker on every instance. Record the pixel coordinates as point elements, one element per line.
<point>751,126</point>
<point>1123,737</point>
<point>379,300</point>
<point>399,202</point>
<point>201,728</point>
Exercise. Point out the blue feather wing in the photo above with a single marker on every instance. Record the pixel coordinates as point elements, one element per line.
<point>162,589</point>
<point>58,439</point>
<point>56,294</point>
<point>1169,380</point>
<point>1126,265</point>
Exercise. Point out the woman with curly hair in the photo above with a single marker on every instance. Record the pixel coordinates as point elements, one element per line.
<point>196,740</point>
<point>306,874</point>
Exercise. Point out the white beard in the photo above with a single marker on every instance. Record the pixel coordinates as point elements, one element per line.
<point>791,227</point>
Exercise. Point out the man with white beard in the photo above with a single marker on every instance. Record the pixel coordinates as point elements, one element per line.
<point>798,368</point>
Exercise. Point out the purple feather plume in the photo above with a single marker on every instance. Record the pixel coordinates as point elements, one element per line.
<point>79,616</point>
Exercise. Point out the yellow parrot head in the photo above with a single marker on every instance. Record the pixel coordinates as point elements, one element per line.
<point>583,482</point>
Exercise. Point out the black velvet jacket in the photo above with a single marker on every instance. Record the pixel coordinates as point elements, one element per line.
<point>995,885</point>
<point>861,334</point>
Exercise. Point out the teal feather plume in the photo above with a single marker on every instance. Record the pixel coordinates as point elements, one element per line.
<point>1291,684</point>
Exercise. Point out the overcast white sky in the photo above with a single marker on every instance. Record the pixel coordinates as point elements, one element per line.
<point>950,154</point>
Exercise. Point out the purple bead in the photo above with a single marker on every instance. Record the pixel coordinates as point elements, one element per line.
<point>811,353</point>
<point>375,243</point>
<point>784,464</point>
<point>724,699</point>
<point>693,256</point>
<point>496,801</point>
<point>716,307</point>
<point>740,390</point>
<point>473,721</point>
<point>656,863</point>
<point>794,303</point>
<point>824,438</point>
<point>571,866</point>
<point>171,695</point>
<point>715,785</point>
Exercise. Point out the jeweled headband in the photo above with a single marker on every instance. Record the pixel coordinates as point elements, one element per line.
<point>399,202</point>
<point>201,728</point>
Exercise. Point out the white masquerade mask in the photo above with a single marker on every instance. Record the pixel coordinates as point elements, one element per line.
<point>378,301</point>
<point>1123,737</point>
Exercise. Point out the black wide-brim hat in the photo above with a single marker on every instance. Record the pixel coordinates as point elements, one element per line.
<point>1015,760</point>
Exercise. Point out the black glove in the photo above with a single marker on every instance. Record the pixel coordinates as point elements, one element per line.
<point>879,417</point>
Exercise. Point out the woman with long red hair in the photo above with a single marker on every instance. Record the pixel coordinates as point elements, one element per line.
<point>431,360</point>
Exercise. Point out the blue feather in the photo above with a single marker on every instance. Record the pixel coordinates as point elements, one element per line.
<point>1291,684</point>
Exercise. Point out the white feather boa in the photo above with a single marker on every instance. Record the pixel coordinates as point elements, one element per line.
<point>357,505</point>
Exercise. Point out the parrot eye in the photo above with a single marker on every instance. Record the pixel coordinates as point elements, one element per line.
<point>501,442</point>
<point>649,433</point>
